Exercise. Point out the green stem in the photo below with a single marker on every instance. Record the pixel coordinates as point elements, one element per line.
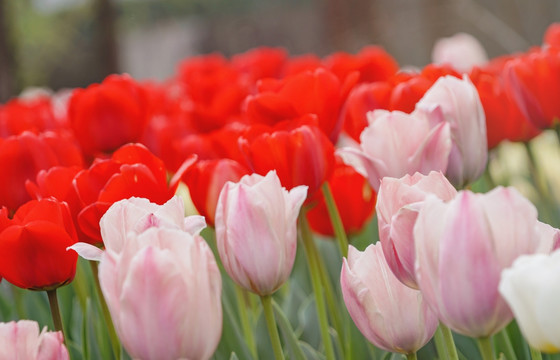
<point>332,306</point>
<point>336,220</point>
<point>271,325</point>
<point>485,347</point>
<point>535,353</point>
<point>503,338</point>
<point>449,342</point>
<point>243,316</point>
<point>440,343</point>
<point>540,184</point>
<point>55,312</point>
<point>115,343</point>
<point>315,274</point>
<point>288,332</point>
<point>411,356</point>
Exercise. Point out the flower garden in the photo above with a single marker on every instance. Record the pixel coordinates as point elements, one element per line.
<point>276,206</point>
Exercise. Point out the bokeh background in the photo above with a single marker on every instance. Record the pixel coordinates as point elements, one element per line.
<point>72,43</point>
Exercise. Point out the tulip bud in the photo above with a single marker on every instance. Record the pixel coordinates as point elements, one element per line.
<point>256,231</point>
<point>463,245</point>
<point>397,210</point>
<point>389,314</point>
<point>395,144</point>
<point>456,102</point>
<point>462,51</point>
<point>531,287</point>
<point>22,340</point>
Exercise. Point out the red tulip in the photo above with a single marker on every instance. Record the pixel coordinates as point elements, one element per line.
<point>552,35</point>
<point>107,115</point>
<point>132,171</point>
<point>534,82</point>
<point>205,180</point>
<point>372,63</point>
<point>23,156</point>
<point>35,115</point>
<point>298,150</point>
<point>214,89</point>
<point>319,92</point>
<point>353,196</point>
<point>33,245</point>
<point>504,119</point>
<point>260,63</point>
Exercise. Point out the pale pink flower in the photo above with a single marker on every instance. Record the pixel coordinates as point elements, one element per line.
<point>462,51</point>
<point>256,231</point>
<point>22,340</point>
<point>395,144</point>
<point>164,294</point>
<point>389,314</point>
<point>456,102</point>
<point>398,201</point>
<point>463,245</point>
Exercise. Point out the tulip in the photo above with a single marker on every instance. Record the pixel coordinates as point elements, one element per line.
<point>131,171</point>
<point>163,292</point>
<point>33,245</point>
<point>396,144</point>
<point>462,51</point>
<point>256,231</point>
<point>23,156</point>
<point>22,340</point>
<point>531,287</point>
<point>372,64</point>
<point>299,152</point>
<point>205,180</point>
<point>108,115</point>
<point>389,314</point>
<point>456,102</point>
<point>463,245</point>
<point>397,210</point>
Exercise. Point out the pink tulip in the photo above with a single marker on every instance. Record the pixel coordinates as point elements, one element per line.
<point>22,340</point>
<point>463,245</point>
<point>137,215</point>
<point>163,291</point>
<point>389,314</point>
<point>398,201</point>
<point>256,231</point>
<point>395,144</point>
<point>456,102</point>
<point>462,51</point>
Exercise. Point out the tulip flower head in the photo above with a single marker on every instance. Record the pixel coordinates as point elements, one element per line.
<point>22,340</point>
<point>256,231</point>
<point>397,209</point>
<point>531,287</point>
<point>160,280</point>
<point>456,102</point>
<point>389,314</point>
<point>463,245</point>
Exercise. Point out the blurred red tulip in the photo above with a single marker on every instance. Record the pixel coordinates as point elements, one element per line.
<point>35,115</point>
<point>534,82</point>
<point>23,156</point>
<point>317,92</point>
<point>107,115</point>
<point>260,63</point>
<point>33,245</point>
<point>215,91</point>
<point>372,63</point>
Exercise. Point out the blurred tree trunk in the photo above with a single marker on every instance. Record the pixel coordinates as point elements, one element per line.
<point>7,64</point>
<point>106,36</point>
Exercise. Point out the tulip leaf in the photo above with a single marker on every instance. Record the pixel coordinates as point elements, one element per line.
<point>288,332</point>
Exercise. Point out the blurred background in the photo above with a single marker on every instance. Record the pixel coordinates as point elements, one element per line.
<point>72,43</point>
